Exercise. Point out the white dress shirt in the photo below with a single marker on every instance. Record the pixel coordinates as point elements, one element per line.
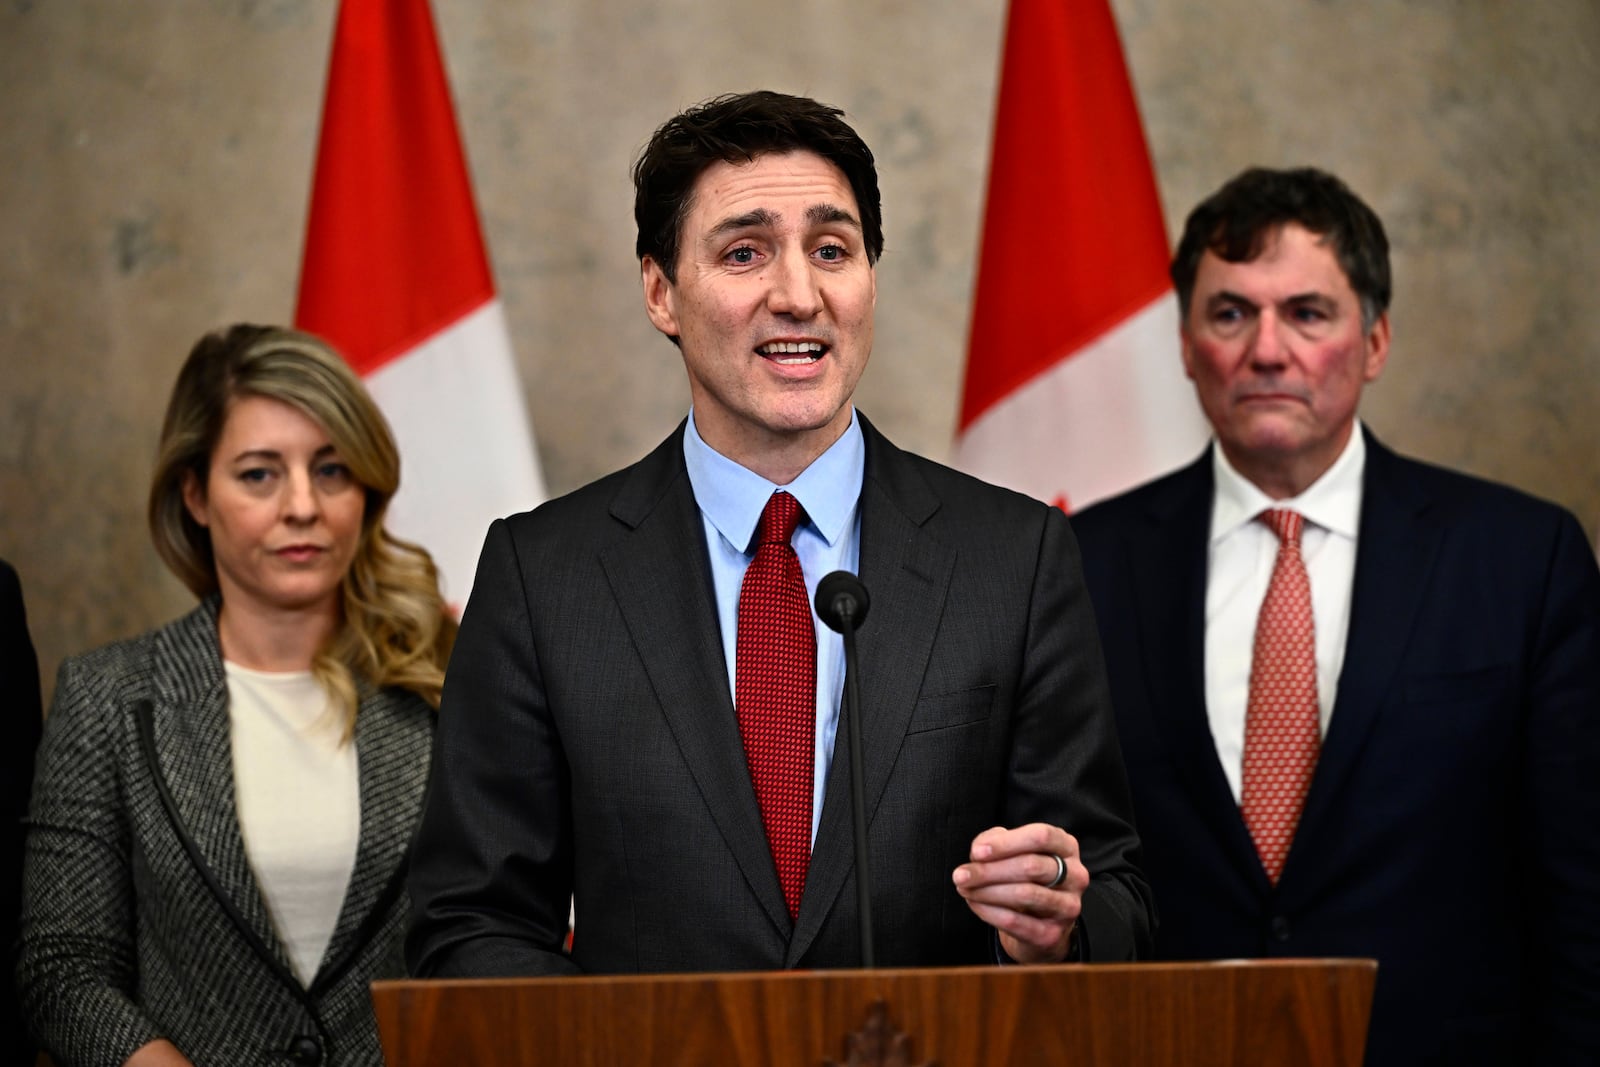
<point>1242,554</point>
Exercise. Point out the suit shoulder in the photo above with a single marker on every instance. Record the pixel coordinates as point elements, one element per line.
<point>953,482</point>
<point>603,509</point>
<point>969,500</point>
<point>624,496</point>
<point>1467,499</point>
<point>130,659</point>
<point>93,687</point>
<point>584,504</point>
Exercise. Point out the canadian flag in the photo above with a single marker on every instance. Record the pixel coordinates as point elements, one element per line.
<point>1075,388</point>
<point>396,277</point>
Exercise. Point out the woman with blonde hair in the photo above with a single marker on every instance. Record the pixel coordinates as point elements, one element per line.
<point>222,806</point>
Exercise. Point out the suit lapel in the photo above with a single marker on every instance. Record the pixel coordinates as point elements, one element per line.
<point>1169,563</point>
<point>660,572</point>
<point>1395,552</point>
<point>193,742</point>
<point>908,573</point>
<point>393,736</point>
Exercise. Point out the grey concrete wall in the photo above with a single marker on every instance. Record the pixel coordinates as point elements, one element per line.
<point>155,160</point>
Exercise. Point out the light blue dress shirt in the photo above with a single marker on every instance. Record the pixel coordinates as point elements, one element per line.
<point>731,499</point>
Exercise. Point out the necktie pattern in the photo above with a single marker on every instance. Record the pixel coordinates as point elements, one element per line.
<point>775,692</point>
<point>1282,734</point>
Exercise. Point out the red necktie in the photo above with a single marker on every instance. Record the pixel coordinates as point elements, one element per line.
<point>1282,732</point>
<point>775,692</point>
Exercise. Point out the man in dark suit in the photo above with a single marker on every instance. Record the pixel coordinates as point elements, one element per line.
<point>614,700</point>
<point>1359,696</point>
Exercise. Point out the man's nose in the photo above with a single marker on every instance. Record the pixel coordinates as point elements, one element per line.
<point>1269,346</point>
<point>794,289</point>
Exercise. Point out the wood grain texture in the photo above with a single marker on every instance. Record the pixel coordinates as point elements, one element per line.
<point>1229,1014</point>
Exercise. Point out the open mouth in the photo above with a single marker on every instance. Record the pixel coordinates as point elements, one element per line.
<point>792,353</point>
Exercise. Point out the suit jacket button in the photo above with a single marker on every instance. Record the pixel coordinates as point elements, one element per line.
<point>1280,928</point>
<point>305,1050</point>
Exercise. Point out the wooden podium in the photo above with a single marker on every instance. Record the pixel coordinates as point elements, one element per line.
<point>1308,1013</point>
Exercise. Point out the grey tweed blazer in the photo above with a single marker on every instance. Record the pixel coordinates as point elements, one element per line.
<point>141,917</point>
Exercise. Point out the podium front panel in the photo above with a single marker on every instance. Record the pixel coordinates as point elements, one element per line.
<point>1311,1013</point>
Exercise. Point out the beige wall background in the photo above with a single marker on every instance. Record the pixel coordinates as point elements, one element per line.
<point>155,163</point>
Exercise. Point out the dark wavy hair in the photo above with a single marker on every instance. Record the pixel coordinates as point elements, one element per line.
<point>1238,219</point>
<point>737,128</point>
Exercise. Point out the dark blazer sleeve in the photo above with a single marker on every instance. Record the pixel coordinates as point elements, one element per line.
<point>19,681</point>
<point>1066,764</point>
<point>78,971</point>
<point>1563,779</point>
<point>491,868</point>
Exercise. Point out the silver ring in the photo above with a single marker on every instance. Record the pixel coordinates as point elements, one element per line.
<point>1061,872</point>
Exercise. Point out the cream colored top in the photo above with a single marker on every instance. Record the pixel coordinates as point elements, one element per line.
<point>298,794</point>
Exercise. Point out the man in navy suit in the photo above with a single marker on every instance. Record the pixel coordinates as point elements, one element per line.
<point>1447,820</point>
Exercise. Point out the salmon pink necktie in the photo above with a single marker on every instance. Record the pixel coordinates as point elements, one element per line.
<point>775,692</point>
<point>1282,735</point>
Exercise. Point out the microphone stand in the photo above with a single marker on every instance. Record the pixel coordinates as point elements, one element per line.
<point>858,789</point>
<point>841,602</point>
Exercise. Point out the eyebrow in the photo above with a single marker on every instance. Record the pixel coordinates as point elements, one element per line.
<point>763,218</point>
<point>824,214</point>
<point>274,455</point>
<point>1228,296</point>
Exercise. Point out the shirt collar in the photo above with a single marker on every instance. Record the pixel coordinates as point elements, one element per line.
<point>1332,502</point>
<point>732,497</point>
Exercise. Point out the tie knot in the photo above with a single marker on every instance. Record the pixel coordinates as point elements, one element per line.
<point>779,519</point>
<point>1285,523</point>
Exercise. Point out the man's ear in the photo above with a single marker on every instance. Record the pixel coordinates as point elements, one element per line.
<point>194,497</point>
<point>659,297</point>
<point>1377,347</point>
<point>1186,350</point>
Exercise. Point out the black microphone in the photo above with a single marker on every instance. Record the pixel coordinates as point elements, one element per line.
<point>841,602</point>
